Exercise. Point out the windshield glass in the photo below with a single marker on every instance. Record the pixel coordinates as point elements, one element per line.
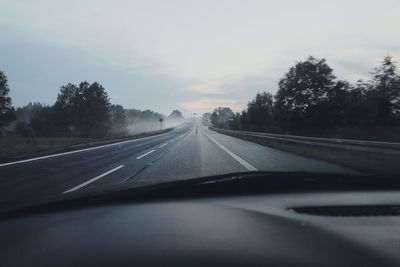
<point>95,94</point>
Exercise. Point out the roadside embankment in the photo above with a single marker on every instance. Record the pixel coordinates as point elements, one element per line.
<point>13,146</point>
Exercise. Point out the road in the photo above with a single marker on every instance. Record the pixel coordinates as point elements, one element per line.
<point>189,151</point>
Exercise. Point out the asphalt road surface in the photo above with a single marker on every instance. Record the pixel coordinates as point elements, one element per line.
<point>189,151</point>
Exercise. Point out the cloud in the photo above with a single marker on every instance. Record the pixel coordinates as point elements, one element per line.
<point>208,87</point>
<point>158,54</point>
<point>209,104</point>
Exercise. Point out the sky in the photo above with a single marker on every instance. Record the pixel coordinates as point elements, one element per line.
<point>188,55</point>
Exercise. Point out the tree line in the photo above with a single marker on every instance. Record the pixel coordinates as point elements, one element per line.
<point>82,110</point>
<point>309,96</point>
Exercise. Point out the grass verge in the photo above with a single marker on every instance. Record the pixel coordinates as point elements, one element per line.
<point>15,146</point>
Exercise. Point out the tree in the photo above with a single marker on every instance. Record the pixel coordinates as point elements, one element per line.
<point>221,117</point>
<point>66,113</point>
<point>26,112</point>
<point>260,111</point>
<point>311,98</point>
<point>305,93</point>
<point>331,110</point>
<point>94,108</point>
<point>214,117</point>
<point>175,115</point>
<point>142,121</point>
<point>386,92</point>
<point>235,122</point>
<point>45,122</point>
<point>84,109</point>
<point>24,129</point>
<point>7,112</point>
<point>118,119</point>
<point>244,122</point>
<point>356,110</point>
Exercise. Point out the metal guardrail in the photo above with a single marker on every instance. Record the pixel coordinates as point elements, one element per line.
<point>367,156</point>
<point>323,141</point>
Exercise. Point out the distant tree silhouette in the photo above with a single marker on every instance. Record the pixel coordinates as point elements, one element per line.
<point>118,120</point>
<point>25,129</point>
<point>142,121</point>
<point>235,122</point>
<point>84,110</point>
<point>260,112</point>
<point>310,97</point>
<point>25,113</point>
<point>385,92</point>
<point>356,111</point>
<point>7,112</point>
<point>45,122</point>
<point>175,115</point>
<point>222,116</point>
<point>306,94</point>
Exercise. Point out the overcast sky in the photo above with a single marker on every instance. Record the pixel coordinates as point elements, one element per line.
<point>187,55</point>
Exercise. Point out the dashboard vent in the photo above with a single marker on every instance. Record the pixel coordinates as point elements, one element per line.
<point>351,211</point>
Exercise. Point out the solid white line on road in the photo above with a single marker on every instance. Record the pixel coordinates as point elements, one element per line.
<point>233,155</point>
<point>92,180</point>
<point>80,150</point>
<point>145,154</point>
<point>163,145</point>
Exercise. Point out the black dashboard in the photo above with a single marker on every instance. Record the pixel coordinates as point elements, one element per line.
<point>213,230</point>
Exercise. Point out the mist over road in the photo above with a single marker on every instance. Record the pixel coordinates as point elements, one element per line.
<point>189,151</point>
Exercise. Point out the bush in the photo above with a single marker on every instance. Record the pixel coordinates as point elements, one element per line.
<point>24,129</point>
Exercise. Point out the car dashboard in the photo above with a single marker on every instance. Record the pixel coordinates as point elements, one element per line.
<point>236,230</point>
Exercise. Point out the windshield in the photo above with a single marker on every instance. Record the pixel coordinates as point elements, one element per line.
<point>95,94</point>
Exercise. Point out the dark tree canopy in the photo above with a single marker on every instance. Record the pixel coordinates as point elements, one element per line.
<point>386,92</point>
<point>7,112</point>
<point>44,122</point>
<point>175,115</point>
<point>305,92</point>
<point>311,98</point>
<point>222,116</point>
<point>145,115</point>
<point>118,119</point>
<point>305,85</point>
<point>84,109</point>
<point>26,112</point>
<point>260,111</point>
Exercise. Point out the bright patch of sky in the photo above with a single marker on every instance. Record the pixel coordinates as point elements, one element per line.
<point>187,55</point>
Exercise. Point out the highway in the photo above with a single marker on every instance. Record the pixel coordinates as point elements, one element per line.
<point>189,151</point>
